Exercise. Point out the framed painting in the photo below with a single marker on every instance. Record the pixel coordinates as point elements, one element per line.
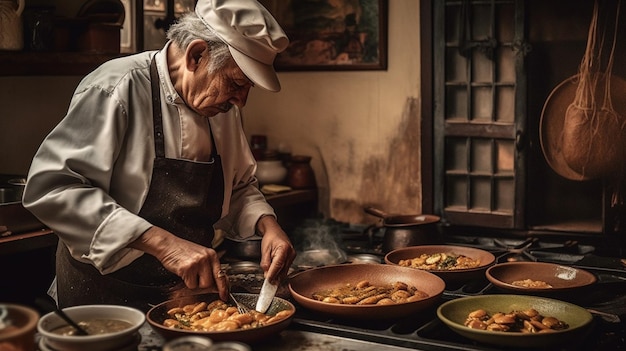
<point>332,35</point>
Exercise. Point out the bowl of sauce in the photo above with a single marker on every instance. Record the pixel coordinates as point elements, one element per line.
<point>110,327</point>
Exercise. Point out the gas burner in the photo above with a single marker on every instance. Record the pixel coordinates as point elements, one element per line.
<point>518,252</point>
<point>527,249</point>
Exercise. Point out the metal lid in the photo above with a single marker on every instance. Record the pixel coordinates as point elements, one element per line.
<point>189,343</point>
<point>230,346</point>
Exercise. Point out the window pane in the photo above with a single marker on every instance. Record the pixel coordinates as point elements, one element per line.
<point>456,191</point>
<point>481,22</point>
<point>505,150</point>
<point>505,64</point>
<point>505,102</point>
<point>456,154</point>
<point>481,194</point>
<point>456,102</point>
<point>505,195</point>
<point>452,23</point>
<point>481,67</point>
<point>482,107</point>
<point>456,70</point>
<point>481,156</point>
<point>505,22</point>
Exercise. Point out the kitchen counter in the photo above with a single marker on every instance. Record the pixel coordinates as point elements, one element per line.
<point>287,340</point>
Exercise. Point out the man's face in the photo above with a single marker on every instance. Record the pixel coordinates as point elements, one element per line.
<point>211,93</point>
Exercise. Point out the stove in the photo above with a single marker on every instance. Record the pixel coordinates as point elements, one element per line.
<point>607,301</point>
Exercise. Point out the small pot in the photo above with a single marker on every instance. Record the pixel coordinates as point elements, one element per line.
<point>248,249</point>
<point>406,230</point>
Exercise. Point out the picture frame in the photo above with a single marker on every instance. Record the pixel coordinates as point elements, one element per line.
<point>154,5</point>
<point>338,35</point>
<point>128,43</point>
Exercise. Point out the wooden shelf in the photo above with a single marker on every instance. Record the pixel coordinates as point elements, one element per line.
<point>23,242</point>
<point>24,63</point>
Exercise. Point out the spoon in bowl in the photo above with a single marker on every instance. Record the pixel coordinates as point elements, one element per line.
<point>48,305</point>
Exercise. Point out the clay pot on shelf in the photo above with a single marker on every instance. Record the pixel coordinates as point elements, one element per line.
<point>271,172</point>
<point>301,175</point>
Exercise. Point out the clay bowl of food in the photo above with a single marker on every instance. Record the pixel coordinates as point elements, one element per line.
<point>539,278</point>
<point>519,321</point>
<point>218,320</point>
<point>454,264</point>
<point>365,291</point>
<point>110,327</point>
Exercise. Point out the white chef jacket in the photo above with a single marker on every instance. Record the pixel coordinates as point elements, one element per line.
<point>91,174</point>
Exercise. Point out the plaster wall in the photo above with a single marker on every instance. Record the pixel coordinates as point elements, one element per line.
<point>360,127</point>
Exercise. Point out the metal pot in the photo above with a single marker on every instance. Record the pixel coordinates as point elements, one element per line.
<point>405,230</point>
<point>249,249</point>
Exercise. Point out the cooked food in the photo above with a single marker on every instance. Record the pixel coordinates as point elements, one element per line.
<point>95,327</point>
<point>527,321</point>
<point>218,316</point>
<point>529,283</point>
<point>441,261</point>
<point>364,293</point>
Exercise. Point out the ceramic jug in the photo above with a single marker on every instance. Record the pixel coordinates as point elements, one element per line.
<point>11,30</point>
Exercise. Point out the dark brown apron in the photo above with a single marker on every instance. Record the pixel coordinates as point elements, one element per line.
<point>185,198</point>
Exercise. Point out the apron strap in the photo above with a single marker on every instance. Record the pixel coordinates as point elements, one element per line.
<point>157,114</point>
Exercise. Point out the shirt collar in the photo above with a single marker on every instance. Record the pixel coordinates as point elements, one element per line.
<point>166,82</point>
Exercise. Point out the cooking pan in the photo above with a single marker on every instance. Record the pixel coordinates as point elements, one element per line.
<point>567,282</point>
<point>405,230</point>
<point>402,220</point>
<point>453,278</point>
<point>454,313</point>
<point>304,284</point>
<point>157,314</point>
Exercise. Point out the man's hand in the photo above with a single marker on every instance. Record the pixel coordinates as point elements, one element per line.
<point>198,266</point>
<point>277,252</point>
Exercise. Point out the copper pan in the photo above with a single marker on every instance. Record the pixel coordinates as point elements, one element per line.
<point>157,315</point>
<point>302,286</point>
<point>402,220</point>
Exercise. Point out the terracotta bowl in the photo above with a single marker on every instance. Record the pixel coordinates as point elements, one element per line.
<point>454,313</point>
<point>157,314</point>
<point>453,278</point>
<point>563,279</point>
<point>18,327</point>
<point>304,284</point>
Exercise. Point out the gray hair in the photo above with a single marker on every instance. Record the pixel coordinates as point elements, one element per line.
<point>190,27</point>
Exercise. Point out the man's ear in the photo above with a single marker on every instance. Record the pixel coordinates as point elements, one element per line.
<point>193,54</point>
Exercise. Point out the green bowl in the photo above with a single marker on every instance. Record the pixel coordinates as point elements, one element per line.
<point>454,313</point>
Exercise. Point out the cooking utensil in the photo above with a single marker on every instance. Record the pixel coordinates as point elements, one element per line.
<point>304,284</point>
<point>454,313</point>
<point>565,281</point>
<point>405,230</point>
<point>451,277</point>
<point>241,308</point>
<point>50,306</point>
<point>157,314</point>
<point>268,291</point>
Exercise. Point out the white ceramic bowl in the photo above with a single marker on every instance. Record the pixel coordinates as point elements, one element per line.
<point>102,342</point>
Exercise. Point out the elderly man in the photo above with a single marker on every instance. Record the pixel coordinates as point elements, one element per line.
<point>151,158</point>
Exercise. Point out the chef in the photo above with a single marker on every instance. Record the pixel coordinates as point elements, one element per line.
<point>151,161</point>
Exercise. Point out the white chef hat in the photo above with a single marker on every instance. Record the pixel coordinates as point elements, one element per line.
<point>252,34</point>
